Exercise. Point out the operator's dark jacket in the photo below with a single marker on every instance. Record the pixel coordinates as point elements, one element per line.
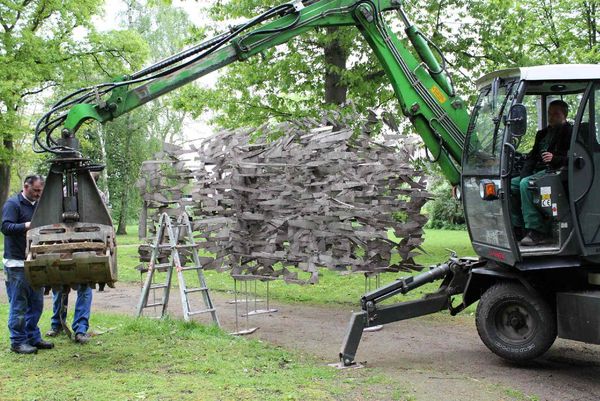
<point>15,213</point>
<point>558,147</point>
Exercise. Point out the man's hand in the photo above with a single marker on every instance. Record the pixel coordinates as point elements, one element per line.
<point>547,157</point>
<point>27,224</point>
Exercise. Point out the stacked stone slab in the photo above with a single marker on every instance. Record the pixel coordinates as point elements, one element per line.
<point>317,196</point>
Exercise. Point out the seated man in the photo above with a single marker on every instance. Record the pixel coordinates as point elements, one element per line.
<point>549,152</point>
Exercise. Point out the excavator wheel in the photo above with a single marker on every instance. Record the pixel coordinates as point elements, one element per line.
<point>514,323</point>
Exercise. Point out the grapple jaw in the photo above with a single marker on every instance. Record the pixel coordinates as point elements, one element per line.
<point>69,254</point>
<point>71,240</point>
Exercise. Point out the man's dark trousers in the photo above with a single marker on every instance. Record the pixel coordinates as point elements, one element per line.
<point>83,305</point>
<point>26,305</point>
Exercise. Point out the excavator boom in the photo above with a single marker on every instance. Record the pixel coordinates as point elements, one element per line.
<point>421,84</point>
<point>72,238</point>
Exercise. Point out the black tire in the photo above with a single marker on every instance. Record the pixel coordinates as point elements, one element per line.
<point>514,323</point>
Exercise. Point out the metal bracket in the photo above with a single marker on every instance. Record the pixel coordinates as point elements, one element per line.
<point>298,5</point>
<point>101,103</point>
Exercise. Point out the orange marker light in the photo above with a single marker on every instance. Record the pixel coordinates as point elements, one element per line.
<point>488,190</point>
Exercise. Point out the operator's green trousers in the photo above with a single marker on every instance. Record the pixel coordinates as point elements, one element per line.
<point>523,212</point>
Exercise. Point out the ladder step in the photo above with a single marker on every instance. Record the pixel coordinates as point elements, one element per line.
<point>158,286</point>
<point>192,268</point>
<point>188,246</point>
<point>201,311</point>
<point>183,246</point>
<point>154,304</point>
<point>189,291</point>
<point>162,266</point>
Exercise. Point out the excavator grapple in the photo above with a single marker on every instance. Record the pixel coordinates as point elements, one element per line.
<point>71,254</point>
<point>71,240</point>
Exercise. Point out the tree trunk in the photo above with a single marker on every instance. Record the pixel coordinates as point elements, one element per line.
<point>122,226</point>
<point>335,59</point>
<point>5,171</point>
<point>102,139</point>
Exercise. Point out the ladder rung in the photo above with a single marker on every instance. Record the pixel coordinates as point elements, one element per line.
<point>192,268</point>
<point>196,290</point>
<point>201,311</point>
<point>162,266</point>
<point>181,246</point>
<point>154,304</point>
<point>158,286</point>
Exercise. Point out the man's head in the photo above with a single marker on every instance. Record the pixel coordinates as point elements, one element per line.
<point>557,113</point>
<point>33,187</point>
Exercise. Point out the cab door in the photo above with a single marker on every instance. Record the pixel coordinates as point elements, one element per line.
<point>484,161</point>
<point>584,174</point>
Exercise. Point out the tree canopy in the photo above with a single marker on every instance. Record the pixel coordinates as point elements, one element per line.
<point>50,44</point>
<point>50,47</point>
<point>330,66</point>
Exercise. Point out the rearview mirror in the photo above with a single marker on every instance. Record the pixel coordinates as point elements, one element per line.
<point>517,120</point>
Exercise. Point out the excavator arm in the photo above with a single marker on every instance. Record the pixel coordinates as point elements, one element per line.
<point>421,85</point>
<point>72,240</point>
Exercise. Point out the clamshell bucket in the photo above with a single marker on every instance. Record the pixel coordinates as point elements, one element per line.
<point>71,254</point>
<point>71,240</point>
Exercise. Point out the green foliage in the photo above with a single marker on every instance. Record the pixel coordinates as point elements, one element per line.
<point>549,32</point>
<point>288,81</point>
<point>476,37</point>
<point>128,144</point>
<point>135,137</point>
<point>444,211</point>
<point>49,45</point>
<point>30,48</point>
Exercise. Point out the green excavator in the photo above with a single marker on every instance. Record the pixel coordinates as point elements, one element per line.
<point>527,295</point>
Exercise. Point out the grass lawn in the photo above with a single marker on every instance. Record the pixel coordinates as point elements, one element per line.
<point>144,359</point>
<point>332,288</point>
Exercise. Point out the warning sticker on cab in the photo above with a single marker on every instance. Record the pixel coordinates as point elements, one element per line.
<point>546,201</point>
<point>439,95</point>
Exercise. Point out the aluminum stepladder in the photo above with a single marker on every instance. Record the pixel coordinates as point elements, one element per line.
<point>170,239</point>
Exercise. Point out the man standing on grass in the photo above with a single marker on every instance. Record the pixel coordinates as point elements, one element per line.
<point>25,303</point>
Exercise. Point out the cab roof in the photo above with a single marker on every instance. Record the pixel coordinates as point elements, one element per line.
<point>552,72</point>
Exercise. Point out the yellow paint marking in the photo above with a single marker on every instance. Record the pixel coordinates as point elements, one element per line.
<point>439,94</point>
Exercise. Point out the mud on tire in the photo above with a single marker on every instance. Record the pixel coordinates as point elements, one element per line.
<point>515,324</point>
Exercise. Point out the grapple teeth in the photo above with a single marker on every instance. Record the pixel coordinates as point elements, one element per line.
<point>70,254</point>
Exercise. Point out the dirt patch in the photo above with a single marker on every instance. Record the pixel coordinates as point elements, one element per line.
<point>434,358</point>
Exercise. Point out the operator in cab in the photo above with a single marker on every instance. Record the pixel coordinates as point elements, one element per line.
<point>549,153</point>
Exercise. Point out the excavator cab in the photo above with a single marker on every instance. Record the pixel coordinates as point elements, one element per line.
<point>528,295</point>
<point>512,107</point>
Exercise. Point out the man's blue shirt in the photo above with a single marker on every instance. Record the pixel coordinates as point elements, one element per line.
<point>15,213</point>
